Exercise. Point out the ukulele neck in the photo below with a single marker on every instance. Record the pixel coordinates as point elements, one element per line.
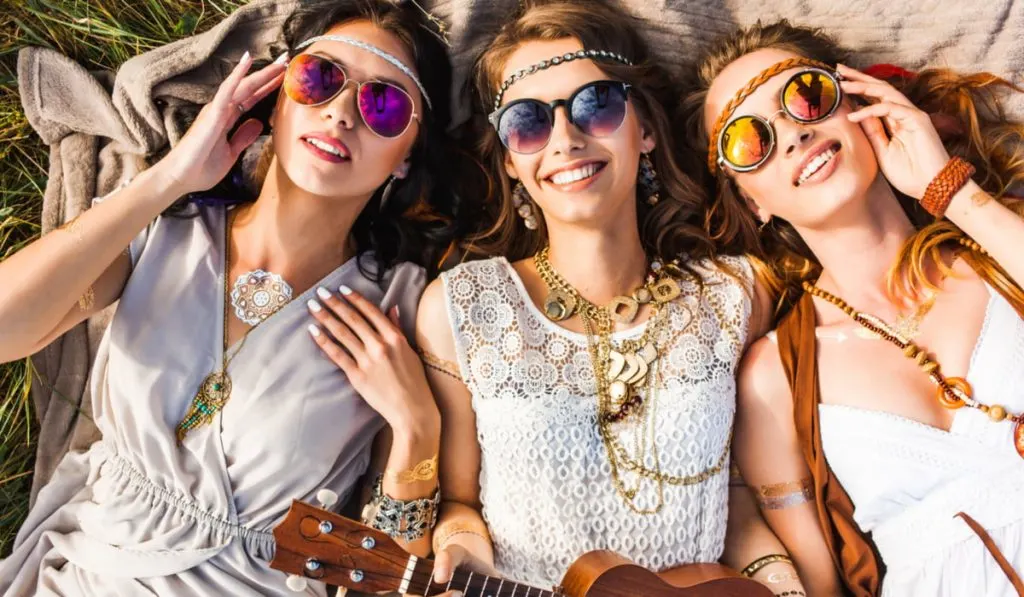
<point>418,580</point>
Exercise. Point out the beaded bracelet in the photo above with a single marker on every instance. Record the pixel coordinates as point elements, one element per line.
<point>791,594</point>
<point>939,194</point>
<point>763,561</point>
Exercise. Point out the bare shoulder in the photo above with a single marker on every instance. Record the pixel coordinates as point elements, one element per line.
<point>762,379</point>
<point>433,326</point>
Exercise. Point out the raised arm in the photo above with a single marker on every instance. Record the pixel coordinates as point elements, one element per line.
<point>767,451</point>
<point>71,273</point>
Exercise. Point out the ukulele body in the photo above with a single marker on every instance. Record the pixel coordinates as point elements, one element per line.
<point>607,574</point>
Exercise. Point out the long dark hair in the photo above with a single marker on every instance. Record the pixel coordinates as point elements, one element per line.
<point>423,214</point>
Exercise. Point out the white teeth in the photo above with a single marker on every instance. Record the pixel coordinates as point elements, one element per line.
<point>324,146</point>
<point>574,175</point>
<point>815,165</point>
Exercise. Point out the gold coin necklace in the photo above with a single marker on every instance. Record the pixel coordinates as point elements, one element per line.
<point>619,374</point>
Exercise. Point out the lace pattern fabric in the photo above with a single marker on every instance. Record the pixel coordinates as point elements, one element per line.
<point>546,484</point>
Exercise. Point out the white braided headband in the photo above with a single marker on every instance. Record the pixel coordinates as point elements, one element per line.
<point>373,50</point>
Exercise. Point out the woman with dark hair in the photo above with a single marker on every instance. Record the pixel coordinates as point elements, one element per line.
<point>216,407</point>
<point>586,375</point>
<point>882,426</point>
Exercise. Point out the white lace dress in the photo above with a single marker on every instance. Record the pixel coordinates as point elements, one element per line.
<point>546,483</point>
<point>908,480</point>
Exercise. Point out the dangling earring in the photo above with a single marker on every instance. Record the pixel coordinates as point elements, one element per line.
<point>648,180</point>
<point>387,192</point>
<point>521,200</point>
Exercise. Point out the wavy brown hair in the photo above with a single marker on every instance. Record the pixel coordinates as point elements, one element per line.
<point>975,128</point>
<point>672,228</point>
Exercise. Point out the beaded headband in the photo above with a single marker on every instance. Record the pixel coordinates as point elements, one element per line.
<point>744,93</point>
<point>543,64</point>
<point>373,50</point>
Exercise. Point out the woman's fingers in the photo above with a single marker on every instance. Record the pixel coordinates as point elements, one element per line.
<point>897,112</point>
<point>341,358</point>
<point>262,81</point>
<point>223,98</point>
<point>336,328</point>
<point>445,562</point>
<point>245,136</point>
<point>353,319</point>
<point>371,312</point>
<point>854,74</point>
<point>882,91</point>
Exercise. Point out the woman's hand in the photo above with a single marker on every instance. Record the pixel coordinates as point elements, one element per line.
<point>205,154</point>
<point>375,355</point>
<point>456,556</point>
<point>914,154</point>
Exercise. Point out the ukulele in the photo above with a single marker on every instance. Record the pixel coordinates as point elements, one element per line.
<point>313,543</point>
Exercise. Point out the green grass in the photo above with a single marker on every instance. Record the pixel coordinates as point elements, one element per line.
<point>100,34</point>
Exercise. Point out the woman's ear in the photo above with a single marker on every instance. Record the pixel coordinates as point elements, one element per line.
<point>402,170</point>
<point>510,168</point>
<point>647,141</point>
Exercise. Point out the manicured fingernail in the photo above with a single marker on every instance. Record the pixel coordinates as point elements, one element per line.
<point>314,306</point>
<point>323,293</point>
<point>282,58</point>
<point>345,290</point>
<point>245,56</point>
<point>314,330</point>
<point>398,312</point>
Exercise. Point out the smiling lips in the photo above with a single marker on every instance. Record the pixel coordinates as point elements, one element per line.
<point>572,174</point>
<point>327,147</point>
<point>816,160</point>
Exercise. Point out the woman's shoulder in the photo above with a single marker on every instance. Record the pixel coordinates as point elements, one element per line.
<point>761,377</point>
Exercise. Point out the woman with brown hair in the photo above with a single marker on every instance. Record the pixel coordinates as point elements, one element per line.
<point>881,427</point>
<point>586,376</point>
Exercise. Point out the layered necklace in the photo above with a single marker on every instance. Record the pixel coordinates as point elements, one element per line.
<point>621,372</point>
<point>951,392</point>
<point>255,297</point>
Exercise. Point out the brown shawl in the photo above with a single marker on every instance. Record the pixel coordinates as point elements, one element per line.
<point>853,552</point>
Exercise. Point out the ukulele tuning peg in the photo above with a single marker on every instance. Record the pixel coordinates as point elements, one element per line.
<point>327,498</point>
<point>296,583</point>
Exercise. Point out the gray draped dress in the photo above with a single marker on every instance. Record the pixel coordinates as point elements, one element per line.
<point>138,514</point>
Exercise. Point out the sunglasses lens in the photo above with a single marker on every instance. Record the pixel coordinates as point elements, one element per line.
<point>746,142</point>
<point>599,108</point>
<point>386,108</point>
<point>311,80</point>
<point>810,96</point>
<point>525,127</point>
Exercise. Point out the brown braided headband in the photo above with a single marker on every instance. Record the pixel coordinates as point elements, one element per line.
<point>744,93</point>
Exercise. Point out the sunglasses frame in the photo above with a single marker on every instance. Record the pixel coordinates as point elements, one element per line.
<point>769,122</point>
<point>549,107</point>
<point>414,115</point>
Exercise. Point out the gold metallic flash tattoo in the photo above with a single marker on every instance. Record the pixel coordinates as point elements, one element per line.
<point>785,495</point>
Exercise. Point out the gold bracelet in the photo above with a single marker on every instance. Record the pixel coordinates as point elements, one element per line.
<point>763,561</point>
<point>444,533</point>
<point>424,471</point>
